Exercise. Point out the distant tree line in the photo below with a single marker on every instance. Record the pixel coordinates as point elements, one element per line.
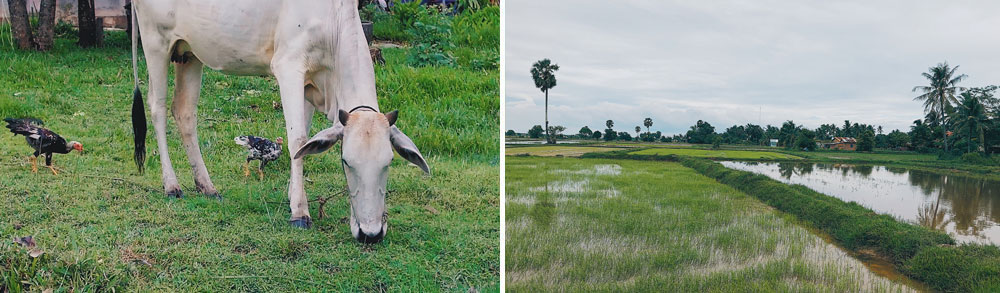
<point>957,121</point>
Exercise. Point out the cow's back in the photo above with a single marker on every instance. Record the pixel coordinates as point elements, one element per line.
<point>233,36</point>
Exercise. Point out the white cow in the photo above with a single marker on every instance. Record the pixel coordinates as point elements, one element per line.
<point>315,49</point>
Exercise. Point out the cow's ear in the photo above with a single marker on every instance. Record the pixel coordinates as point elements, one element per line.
<point>406,149</point>
<point>321,142</point>
<point>391,116</point>
<point>342,116</point>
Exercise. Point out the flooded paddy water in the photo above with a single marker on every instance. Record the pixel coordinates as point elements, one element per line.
<point>966,208</point>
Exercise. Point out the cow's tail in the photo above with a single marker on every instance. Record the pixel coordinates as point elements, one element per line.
<point>138,109</point>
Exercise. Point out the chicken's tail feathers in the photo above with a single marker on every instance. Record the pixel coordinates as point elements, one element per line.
<point>22,126</point>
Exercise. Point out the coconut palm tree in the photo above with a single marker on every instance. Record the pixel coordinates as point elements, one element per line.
<point>941,91</point>
<point>971,117</point>
<point>543,72</point>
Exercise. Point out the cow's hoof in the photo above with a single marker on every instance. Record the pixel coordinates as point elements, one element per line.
<point>215,196</point>
<point>176,193</point>
<point>304,222</point>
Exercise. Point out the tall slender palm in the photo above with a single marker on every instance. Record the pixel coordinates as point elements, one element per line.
<point>543,72</point>
<point>637,129</point>
<point>941,92</point>
<point>971,117</point>
<point>648,122</point>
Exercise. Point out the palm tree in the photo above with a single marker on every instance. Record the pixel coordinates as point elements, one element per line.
<point>543,72</point>
<point>648,122</point>
<point>971,116</point>
<point>610,124</point>
<point>941,92</point>
<point>637,129</point>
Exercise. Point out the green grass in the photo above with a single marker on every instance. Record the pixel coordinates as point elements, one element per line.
<point>715,154</point>
<point>626,225</point>
<point>104,227</point>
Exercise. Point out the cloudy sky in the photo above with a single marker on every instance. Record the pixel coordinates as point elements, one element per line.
<point>738,62</point>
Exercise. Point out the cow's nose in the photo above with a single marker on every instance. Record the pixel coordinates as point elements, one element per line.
<point>372,238</point>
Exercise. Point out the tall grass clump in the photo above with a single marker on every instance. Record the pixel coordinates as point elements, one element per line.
<point>851,224</point>
<point>966,268</point>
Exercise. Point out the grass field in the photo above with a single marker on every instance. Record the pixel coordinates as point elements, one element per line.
<point>102,226</point>
<point>624,225</point>
<point>555,150</point>
<point>715,154</point>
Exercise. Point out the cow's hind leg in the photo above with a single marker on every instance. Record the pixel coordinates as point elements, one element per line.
<point>157,61</point>
<point>186,92</point>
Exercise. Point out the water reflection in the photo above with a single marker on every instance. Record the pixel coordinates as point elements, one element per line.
<point>966,208</point>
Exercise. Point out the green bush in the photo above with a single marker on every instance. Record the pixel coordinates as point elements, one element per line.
<point>431,41</point>
<point>388,28</point>
<point>976,158</point>
<point>478,29</point>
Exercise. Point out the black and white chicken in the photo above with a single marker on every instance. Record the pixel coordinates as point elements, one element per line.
<point>44,141</point>
<point>260,149</point>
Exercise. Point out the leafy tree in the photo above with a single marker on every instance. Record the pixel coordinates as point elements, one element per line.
<point>827,131</point>
<point>535,131</point>
<point>898,139</point>
<point>510,132</point>
<point>624,136</point>
<point>866,142</point>
<point>586,132</point>
<point>544,74</point>
<point>971,120</point>
<point>754,134</point>
<point>921,135</point>
<point>555,132</point>
<point>637,129</point>
<point>805,140</point>
<point>610,134</point>
<point>701,132</point>
<point>787,134</point>
<point>941,91</point>
<point>596,135</point>
<point>717,142</point>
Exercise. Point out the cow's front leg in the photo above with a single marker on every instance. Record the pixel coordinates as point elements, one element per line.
<point>156,63</point>
<point>290,81</point>
<point>187,89</point>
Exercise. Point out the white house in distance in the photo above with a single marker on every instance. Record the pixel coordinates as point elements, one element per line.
<point>111,11</point>
<point>773,142</point>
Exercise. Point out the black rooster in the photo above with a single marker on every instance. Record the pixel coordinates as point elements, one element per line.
<point>44,141</point>
<point>260,149</point>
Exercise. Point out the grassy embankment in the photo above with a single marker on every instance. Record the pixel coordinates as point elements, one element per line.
<point>555,150</point>
<point>102,226</point>
<point>923,254</point>
<point>625,225</point>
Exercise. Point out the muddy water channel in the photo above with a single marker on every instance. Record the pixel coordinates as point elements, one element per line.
<point>966,208</point>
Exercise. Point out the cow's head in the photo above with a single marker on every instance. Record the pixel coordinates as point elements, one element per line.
<point>369,138</point>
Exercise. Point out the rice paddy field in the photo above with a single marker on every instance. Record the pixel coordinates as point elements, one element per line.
<point>715,154</point>
<point>623,225</point>
<point>556,150</point>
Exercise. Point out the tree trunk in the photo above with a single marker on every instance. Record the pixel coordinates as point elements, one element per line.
<point>19,24</point>
<point>547,139</point>
<point>46,25</point>
<point>87,22</point>
<point>944,130</point>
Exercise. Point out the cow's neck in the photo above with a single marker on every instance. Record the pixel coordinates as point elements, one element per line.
<point>353,82</point>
